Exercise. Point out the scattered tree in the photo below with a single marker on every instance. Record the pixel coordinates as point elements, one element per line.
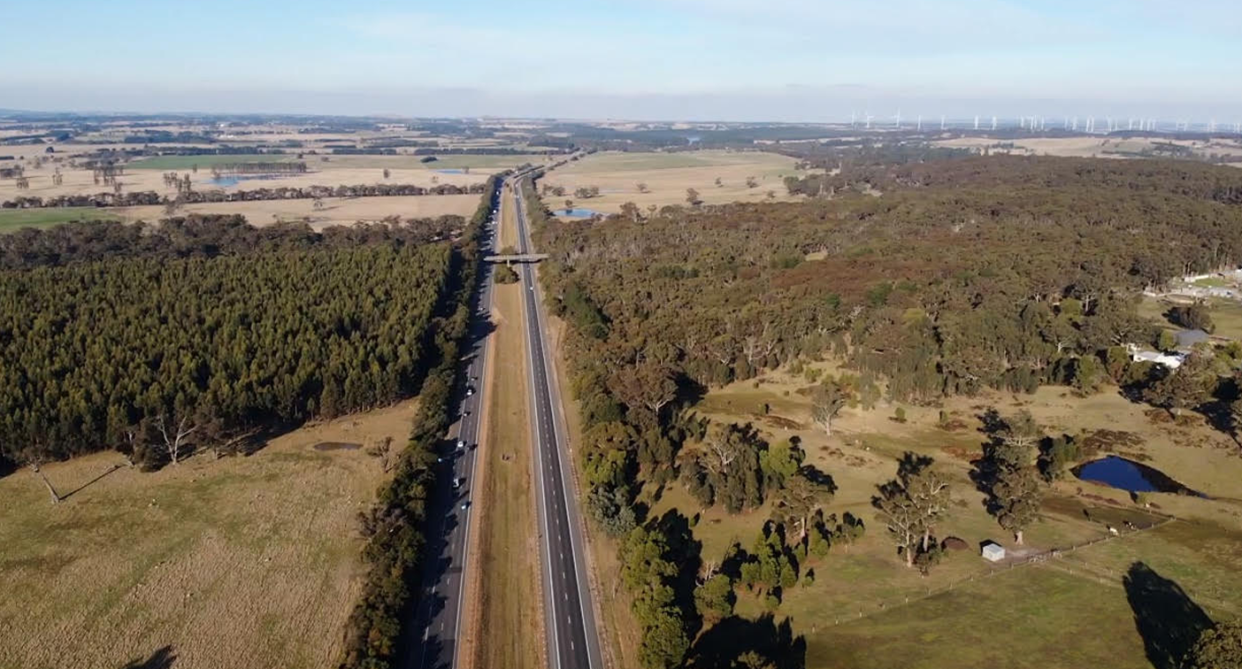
<point>827,401</point>
<point>1219,647</point>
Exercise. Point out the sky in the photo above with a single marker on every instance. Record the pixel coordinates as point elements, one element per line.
<point>739,60</point>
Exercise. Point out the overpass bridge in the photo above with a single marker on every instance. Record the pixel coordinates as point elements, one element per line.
<point>516,257</point>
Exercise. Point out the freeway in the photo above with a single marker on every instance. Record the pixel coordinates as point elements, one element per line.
<point>572,638</point>
<point>437,618</point>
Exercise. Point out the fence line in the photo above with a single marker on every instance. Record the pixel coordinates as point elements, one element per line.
<point>1058,554</point>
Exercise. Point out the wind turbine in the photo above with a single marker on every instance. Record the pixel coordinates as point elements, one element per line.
<point>976,121</point>
<point>869,117</point>
<point>897,119</point>
<point>942,121</point>
<point>993,123</point>
<point>853,118</point>
<point>920,123</point>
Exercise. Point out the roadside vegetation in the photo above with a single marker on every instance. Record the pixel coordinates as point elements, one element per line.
<point>393,527</point>
<point>980,281</point>
<point>205,336</point>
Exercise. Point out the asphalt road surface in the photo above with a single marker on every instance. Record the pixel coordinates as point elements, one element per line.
<point>573,641</point>
<point>437,618</point>
<point>572,638</point>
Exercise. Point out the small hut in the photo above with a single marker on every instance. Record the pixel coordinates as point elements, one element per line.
<point>993,552</point>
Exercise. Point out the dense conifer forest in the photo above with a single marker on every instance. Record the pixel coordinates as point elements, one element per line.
<point>966,274</point>
<point>394,525</point>
<point>154,340</point>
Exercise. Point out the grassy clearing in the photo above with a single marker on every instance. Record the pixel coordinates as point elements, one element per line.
<point>488,163</point>
<point>169,163</point>
<point>507,236</point>
<point>509,631</point>
<point>1226,315</point>
<point>335,211</point>
<point>240,562</point>
<point>1036,617</point>
<point>1018,619</point>
<point>668,175</point>
<point>16,219</point>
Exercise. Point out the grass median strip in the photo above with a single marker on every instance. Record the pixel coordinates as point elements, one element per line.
<point>509,632</point>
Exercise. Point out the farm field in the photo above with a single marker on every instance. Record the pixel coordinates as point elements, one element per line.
<point>1226,315</point>
<point>147,174</point>
<point>1086,147</point>
<point>16,219</point>
<point>409,162</point>
<point>336,211</point>
<point>667,176</point>
<point>171,163</point>
<point>81,182</point>
<point>238,562</point>
<point>865,586</point>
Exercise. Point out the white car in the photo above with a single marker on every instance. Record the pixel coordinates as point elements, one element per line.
<point>469,391</point>
<point>461,444</point>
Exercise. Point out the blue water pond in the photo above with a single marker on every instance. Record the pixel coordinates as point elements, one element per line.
<point>1131,476</point>
<point>577,212</point>
<point>229,180</point>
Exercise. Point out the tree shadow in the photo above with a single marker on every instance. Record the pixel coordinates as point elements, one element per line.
<point>84,485</point>
<point>689,391</point>
<point>911,464</point>
<point>686,552</point>
<point>1166,617</point>
<point>162,658</point>
<point>991,423</point>
<point>819,477</point>
<point>734,636</point>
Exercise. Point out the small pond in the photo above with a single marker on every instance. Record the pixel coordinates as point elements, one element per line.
<point>227,181</point>
<point>1130,476</point>
<point>577,212</point>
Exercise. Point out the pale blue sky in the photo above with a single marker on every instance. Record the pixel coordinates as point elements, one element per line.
<point>710,59</point>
